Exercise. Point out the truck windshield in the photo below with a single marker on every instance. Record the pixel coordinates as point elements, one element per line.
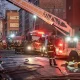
<point>72,44</point>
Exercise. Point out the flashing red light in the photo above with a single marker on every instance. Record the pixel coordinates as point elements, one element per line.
<point>57,50</point>
<point>60,51</point>
<point>37,43</point>
<point>40,32</point>
<point>37,32</point>
<point>61,44</point>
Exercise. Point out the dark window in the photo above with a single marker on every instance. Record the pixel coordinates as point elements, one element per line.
<point>29,0</point>
<point>72,44</point>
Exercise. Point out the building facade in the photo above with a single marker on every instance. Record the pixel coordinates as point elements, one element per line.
<point>11,22</point>
<point>26,19</point>
<point>73,14</point>
<point>24,22</point>
<point>1,28</point>
<point>56,7</point>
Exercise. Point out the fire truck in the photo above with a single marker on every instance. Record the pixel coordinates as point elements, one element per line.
<point>71,41</point>
<point>37,42</point>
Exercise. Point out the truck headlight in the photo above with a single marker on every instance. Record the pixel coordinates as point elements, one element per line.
<point>29,48</point>
<point>68,38</point>
<point>44,48</point>
<point>75,39</point>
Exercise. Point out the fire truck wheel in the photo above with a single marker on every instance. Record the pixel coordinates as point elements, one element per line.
<point>73,56</point>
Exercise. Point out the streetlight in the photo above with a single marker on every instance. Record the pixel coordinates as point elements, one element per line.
<point>35,17</point>
<point>12,35</point>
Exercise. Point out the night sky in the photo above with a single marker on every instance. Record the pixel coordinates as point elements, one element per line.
<point>11,6</point>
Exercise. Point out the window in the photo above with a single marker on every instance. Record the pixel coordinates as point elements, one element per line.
<point>14,17</point>
<point>14,24</point>
<point>29,0</point>
<point>69,7</point>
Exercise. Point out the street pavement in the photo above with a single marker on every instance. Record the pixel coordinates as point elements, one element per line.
<point>22,67</point>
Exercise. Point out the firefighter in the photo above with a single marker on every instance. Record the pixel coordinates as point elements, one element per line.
<point>51,52</point>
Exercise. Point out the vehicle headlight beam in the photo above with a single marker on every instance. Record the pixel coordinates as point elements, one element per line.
<point>68,39</point>
<point>75,39</point>
<point>29,48</point>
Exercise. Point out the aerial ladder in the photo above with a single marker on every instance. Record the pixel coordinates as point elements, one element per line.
<point>51,19</point>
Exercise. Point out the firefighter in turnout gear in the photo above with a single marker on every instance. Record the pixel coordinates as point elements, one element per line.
<point>51,52</point>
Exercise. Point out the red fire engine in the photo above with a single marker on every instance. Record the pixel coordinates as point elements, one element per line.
<point>37,42</point>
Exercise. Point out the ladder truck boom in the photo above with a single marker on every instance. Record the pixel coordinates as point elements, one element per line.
<point>51,19</point>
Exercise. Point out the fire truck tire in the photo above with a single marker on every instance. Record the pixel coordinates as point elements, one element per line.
<point>73,56</point>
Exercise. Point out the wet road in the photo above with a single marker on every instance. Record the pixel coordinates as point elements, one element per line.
<point>22,67</point>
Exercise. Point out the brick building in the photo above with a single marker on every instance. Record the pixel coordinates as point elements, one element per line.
<point>11,22</point>
<point>56,7</point>
<point>73,13</point>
